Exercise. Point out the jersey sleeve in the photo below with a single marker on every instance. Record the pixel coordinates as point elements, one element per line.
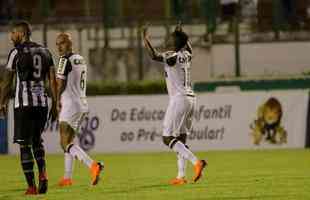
<point>64,67</point>
<point>170,58</point>
<point>11,63</point>
<point>189,55</point>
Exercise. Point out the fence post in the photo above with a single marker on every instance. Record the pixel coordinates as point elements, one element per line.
<point>140,52</point>
<point>236,20</point>
<point>278,20</point>
<point>209,10</point>
<point>45,6</point>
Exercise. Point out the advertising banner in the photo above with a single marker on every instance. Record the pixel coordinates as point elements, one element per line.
<point>242,120</point>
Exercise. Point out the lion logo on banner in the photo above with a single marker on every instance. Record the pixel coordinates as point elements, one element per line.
<point>267,126</point>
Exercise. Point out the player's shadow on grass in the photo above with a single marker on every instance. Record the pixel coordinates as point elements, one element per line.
<point>139,188</point>
<point>12,193</point>
<point>16,190</point>
<point>253,197</point>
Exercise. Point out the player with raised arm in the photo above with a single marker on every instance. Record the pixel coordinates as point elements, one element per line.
<point>72,107</point>
<point>179,114</point>
<point>29,66</point>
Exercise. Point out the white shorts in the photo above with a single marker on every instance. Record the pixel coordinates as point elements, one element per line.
<point>179,116</point>
<point>73,119</point>
<point>73,113</point>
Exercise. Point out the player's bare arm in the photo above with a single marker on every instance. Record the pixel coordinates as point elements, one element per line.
<point>61,86</point>
<point>154,54</point>
<point>189,47</point>
<point>53,88</point>
<point>8,78</point>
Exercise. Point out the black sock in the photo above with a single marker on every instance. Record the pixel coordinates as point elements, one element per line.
<point>39,155</point>
<point>27,163</point>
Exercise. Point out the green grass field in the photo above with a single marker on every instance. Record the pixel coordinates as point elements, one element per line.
<point>259,174</point>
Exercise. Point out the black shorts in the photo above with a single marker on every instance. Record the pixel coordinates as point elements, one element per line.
<point>29,123</point>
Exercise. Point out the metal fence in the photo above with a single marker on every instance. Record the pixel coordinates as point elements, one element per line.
<point>112,46</point>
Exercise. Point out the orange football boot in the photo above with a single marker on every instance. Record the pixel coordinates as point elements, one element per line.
<point>65,182</point>
<point>95,170</point>
<point>178,181</point>
<point>198,168</point>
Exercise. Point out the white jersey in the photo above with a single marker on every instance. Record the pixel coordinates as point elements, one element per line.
<point>73,69</point>
<point>177,73</point>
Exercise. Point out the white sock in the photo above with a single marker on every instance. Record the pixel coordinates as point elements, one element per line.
<point>69,162</point>
<point>180,148</point>
<point>78,153</point>
<point>181,166</point>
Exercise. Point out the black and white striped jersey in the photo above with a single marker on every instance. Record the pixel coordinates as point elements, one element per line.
<point>31,63</point>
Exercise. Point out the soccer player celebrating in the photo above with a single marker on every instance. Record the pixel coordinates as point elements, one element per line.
<point>178,118</point>
<point>72,107</point>
<point>31,65</point>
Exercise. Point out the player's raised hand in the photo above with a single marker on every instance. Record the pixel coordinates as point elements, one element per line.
<point>144,30</point>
